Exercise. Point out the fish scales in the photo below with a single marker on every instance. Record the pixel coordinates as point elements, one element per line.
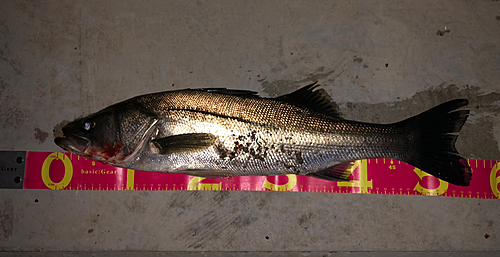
<point>256,136</point>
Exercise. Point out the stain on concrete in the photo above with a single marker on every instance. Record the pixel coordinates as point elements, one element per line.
<point>137,204</point>
<point>2,85</point>
<point>486,65</point>
<point>57,131</point>
<point>478,138</point>
<point>243,221</point>
<point>14,117</point>
<point>305,220</point>
<point>280,87</point>
<point>184,200</point>
<point>212,223</point>
<point>442,32</point>
<point>221,196</point>
<point>6,219</point>
<point>12,64</point>
<point>41,135</point>
<point>357,59</point>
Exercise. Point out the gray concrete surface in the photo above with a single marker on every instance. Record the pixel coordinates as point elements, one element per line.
<point>381,61</point>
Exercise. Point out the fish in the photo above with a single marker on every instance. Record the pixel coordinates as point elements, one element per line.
<point>219,132</point>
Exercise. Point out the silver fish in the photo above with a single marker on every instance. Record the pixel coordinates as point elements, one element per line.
<point>222,132</point>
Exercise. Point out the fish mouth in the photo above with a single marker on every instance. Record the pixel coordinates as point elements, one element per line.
<point>72,143</point>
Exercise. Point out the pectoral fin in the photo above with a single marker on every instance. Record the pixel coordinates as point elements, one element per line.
<point>184,143</point>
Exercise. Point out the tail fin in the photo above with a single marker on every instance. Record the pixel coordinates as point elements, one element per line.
<point>434,134</point>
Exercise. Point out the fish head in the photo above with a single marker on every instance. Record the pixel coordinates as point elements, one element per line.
<point>113,135</point>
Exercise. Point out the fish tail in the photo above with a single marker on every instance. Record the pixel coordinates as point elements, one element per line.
<point>433,135</point>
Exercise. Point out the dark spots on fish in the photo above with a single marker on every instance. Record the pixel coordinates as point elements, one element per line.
<point>265,167</point>
<point>221,151</point>
<point>266,237</point>
<point>386,65</point>
<point>288,138</point>
<point>252,135</point>
<point>241,138</point>
<point>41,135</point>
<point>298,157</point>
<point>255,154</point>
<point>293,169</point>
<point>90,231</point>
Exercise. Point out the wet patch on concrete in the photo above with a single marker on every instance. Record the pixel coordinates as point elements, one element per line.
<point>41,135</point>
<point>281,87</point>
<point>209,223</point>
<point>478,138</point>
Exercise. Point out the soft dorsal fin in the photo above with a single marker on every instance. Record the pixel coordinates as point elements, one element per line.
<point>318,100</point>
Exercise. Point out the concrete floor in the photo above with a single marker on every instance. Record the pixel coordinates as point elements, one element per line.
<point>381,61</point>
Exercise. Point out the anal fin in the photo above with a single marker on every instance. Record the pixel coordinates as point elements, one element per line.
<point>338,172</point>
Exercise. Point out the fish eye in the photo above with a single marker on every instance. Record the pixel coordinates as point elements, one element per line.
<point>88,124</point>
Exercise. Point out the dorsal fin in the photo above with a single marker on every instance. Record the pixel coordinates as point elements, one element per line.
<point>318,100</point>
<point>225,91</point>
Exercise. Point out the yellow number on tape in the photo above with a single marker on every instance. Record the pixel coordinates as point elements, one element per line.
<point>441,189</point>
<point>194,184</point>
<point>494,180</point>
<point>292,182</point>
<point>68,171</point>
<point>362,183</point>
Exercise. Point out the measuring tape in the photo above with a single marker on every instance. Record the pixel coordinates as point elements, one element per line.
<point>66,171</point>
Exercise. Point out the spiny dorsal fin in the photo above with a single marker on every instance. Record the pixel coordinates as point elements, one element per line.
<point>318,100</point>
<point>184,143</point>
<point>225,91</point>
